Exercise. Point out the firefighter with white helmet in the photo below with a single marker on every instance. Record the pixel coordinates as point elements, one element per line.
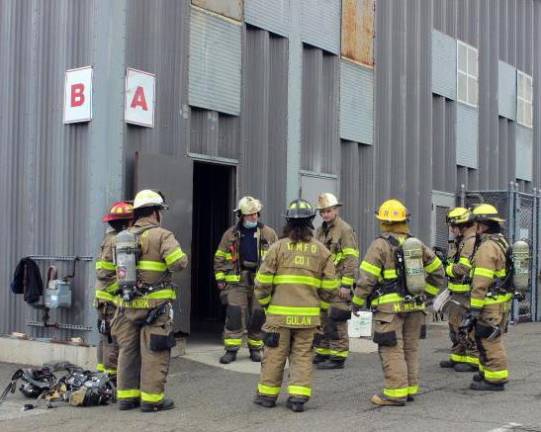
<point>236,261</point>
<point>332,343</point>
<point>146,256</point>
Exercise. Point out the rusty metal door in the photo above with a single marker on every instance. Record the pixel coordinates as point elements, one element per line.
<point>173,177</point>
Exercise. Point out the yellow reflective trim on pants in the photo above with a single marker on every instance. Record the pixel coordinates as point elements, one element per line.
<point>219,276</point>
<point>105,265</point>
<point>110,371</point>
<point>265,300</point>
<point>387,298</point>
<point>297,279</point>
<point>323,351</point>
<point>329,284</point>
<point>174,256</point>
<point>484,272</point>
<point>500,298</point>
<point>399,393</point>
<point>350,252</point>
<point>128,394</point>
<point>255,343</point>
<point>413,390</point>
<point>143,302</point>
<point>299,390</point>
<point>324,305</point>
<point>268,390</point>
<point>293,310</point>
<point>433,266</point>
<point>265,279</point>
<point>357,301</point>
<point>495,375</point>
<point>458,288</point>
<point>232,278</point>
<point>458,358</point>
<point>371,268</point>
<point>232,342</point>
<point>477,303</point>
<point>390,274</point>
<point>156,266</point>
<point>465,261</point>
<point>347,281</point>
<point>112,288</point>
<point>152,397</point>
<point>100,367</point>
<point>341,354</point>
<point>224,254</point>
<point>431,289</point>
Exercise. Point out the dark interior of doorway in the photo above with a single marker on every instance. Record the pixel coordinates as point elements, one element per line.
<point>212,215</point>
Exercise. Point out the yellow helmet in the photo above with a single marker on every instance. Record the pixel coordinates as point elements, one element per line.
<point>458,215</point>
<point>392,211</point>
<point>248,205</point>
<point>149,198</point>
<point>486,212</point>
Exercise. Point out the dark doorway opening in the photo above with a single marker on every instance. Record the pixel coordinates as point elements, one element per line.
<point>213,187</point>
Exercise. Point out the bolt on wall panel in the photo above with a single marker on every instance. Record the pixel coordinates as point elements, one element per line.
<point>443,65</point>
<point>467,136</point>
<point>271,15</point>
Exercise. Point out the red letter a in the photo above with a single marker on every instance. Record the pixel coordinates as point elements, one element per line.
<point>139,99</point>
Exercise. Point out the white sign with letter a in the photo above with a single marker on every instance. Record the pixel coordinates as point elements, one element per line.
<point>140,98</point>
<point>78,95</point>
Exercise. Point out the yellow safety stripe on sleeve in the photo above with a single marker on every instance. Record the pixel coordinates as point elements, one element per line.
<point>374,270</point>
<point>264,278</point>
<point>156,266</point>
<point>100,367</point>
<point>329,284</point>
<point>358,301</point>
<point>110,371</point>
<point>431,289</point>
<point>449,270</point>
<point>500,298</point>
<point>324,305</point>
<point>128,394</point>
<point>387,298</point>
<point>484,272</point>
<point>500,273</point>
<point>268,390</point>
<point>351,252</point>
<point>458,288</point>
<point>495,375</point>
<point>336,258</point>
<point>413,390</point>
<point>112,288</point>
<point>398,393</point>
<point>265,300</point>
<point>323,351</point>
<point>223,254</point>
<point>477,303</point>
<point>232,278</point>
<point>255,343</point>
<point>465,261</point>
<point>174,256</point>
<point>340,354</point>
<point>219,276</point>
<point>104,295</point>
<point>293,310</point>
<point>299,390</point>
<point>433,266</point>
<point>347,281</point>
<point>152,397</point>
<point>297,279</point>
<point>390,274</point>
<point>230,342</point>
<point>105,265</point>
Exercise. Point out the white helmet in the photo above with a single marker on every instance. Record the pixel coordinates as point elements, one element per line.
<point>327,200</point>
<point>149,198</point>
<point>248,205</point>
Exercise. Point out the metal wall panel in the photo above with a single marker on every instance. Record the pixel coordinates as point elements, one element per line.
<point>444,144</point>
<point>507,90</point>
<point>228,8</point>
<point>467,138</point>
<point>320,24</point>
<point>358,31</point>
<point>215,63</point>
<point>312,186</point>
<point>443,65</point>
<point>356,103</point>
<point>214,135</point>
<point>524,137</point>
<point>271,15</point>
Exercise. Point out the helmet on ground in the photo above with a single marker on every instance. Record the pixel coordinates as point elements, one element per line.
<point>248,205</point>
<point>327,200</point>
<point>121,210</point>
<point>149,198</point>
<point>458,216</point>
<point>299,209</point>
<point>392,211</point>
<point>486,213</point>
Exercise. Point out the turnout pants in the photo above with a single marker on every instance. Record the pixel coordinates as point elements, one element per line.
<point>294,345</point>
<point>492,356</point>
<point>326,345</point>
<point>464,347</point>
<point>107,349</point>
<point>144,354</point>
<point>244,315</point>
<point>397,336</point>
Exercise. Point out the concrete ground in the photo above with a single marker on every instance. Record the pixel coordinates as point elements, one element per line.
<point>213,398</point>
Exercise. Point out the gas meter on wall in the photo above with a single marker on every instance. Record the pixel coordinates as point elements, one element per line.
<point>58,291</point>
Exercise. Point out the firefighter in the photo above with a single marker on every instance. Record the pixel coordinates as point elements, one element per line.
<point>239,255</point>
<point>399,315</point>
<point>296,279</point>
<point>464,356</point>
<point>119,218</point>
<point>341,241</point>
<point>490,300</point>
<point>143,323</point>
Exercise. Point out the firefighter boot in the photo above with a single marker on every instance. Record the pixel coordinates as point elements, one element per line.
<point>164,405</point>
<point>255,355</point>
<point>478,377</point>
<point>381,401</point>
<point>264,401</point>
<point>486,386</point>
<point>228,357</point>
<point>464,367</point>
<point>320,358</point>
<point>447,364</point>
<point>295,404</point>
<point>331,364</point>
<point>128,404</point>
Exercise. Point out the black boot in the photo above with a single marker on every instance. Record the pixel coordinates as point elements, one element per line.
<point>228,357</point>
<point>486,386</point>
<point>295,404</point>
<point>447,364</point>
<point>464,367</point>
<point>332,364</point>
<point>255,355</point>
<point>320,358</point>
<point>128,404</point>
<point>164,405</point>
<point>264,401</point>
<point>478,377</point>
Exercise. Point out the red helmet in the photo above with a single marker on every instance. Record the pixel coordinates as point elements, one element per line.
<point>121,210</point>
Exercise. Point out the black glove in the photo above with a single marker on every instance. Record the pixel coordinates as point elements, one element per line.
<point>469,320</point>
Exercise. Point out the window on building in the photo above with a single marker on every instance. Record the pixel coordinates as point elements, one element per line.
<point>467,61</point>
<point>524,99</point>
